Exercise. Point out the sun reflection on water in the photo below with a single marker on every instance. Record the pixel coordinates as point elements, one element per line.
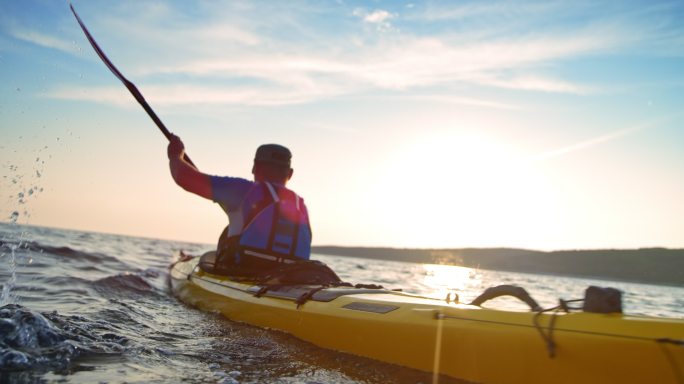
<point>441,280</point>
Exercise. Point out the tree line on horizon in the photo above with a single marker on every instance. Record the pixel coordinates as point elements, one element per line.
<point>660,266</point>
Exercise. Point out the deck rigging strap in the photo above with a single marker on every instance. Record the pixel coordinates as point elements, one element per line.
<point>548,337</point>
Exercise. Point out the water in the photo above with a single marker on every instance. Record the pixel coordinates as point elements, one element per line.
<point>81,307</point>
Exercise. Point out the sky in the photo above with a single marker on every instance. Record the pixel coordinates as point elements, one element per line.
<point>432,124</point>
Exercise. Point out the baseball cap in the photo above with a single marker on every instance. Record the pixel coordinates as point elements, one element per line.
<point>274,154</point>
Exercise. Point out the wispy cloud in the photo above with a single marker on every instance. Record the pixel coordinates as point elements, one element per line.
<point>454,12</point>
<point>107,95</point>
<point>379,17</point>
<point>585,144</point>
<point>468,101</point>
<point>400,64</point>
<point>44,40</point>
<point>191,94</point>
<point>222,33</point>
<point>535,83</point>
<point>298,63</point>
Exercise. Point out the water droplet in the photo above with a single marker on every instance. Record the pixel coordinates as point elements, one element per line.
<point>30,192</point>
<point>37,159</point>
<point>18,89</point>
<point>14,216</point>
<point>38,173</point>
<point>20,195</point>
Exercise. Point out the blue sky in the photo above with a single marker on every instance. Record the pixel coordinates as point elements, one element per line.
<point>421,124</point>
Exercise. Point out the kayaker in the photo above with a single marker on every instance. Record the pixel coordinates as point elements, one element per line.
<point>268,223</point>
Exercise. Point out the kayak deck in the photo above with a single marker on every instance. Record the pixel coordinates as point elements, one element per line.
<point>462,341</point>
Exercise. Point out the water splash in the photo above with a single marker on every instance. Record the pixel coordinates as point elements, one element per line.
<point>30,340</point>
<point>8,294</point>
<point>23,190</point>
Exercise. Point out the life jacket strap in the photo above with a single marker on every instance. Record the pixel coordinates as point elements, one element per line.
<point>263,256</point>
<point>273,192</point>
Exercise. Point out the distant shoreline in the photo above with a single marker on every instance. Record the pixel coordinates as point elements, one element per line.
<point>660,266</point>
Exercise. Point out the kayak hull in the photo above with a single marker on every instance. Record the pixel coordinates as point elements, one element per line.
<point>461,341</point>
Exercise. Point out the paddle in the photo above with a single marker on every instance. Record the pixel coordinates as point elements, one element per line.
<point>131,87</point>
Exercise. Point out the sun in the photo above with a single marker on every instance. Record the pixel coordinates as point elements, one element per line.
<point>459,189</point>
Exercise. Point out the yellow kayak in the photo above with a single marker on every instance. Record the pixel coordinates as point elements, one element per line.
<point>463,341</point>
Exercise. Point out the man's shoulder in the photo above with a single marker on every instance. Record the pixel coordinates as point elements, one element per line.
<point>229,181</point>
<point>230,191</point>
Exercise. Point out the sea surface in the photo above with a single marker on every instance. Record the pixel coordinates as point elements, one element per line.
<point>81,307</point>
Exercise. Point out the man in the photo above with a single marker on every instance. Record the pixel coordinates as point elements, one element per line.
<point>268,223</point>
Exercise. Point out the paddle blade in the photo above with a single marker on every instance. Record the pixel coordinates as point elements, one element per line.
<point>97,48</point>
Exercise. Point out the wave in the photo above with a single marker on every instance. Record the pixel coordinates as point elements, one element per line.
<point>127,282</point>
<point>60,251</point>
<point>74,254</point>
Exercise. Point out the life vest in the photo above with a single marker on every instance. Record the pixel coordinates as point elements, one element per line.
<point>276,228</point>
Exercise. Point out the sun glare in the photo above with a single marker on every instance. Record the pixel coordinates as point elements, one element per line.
<point>463,190</point>
<point>445,279</point>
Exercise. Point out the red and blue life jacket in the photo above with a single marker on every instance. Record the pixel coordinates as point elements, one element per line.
<point>276,228</point>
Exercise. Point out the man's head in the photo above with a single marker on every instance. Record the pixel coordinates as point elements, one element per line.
<point>272,163</point>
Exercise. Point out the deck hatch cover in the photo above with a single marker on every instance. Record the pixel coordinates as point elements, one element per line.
<point>369,307</point>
